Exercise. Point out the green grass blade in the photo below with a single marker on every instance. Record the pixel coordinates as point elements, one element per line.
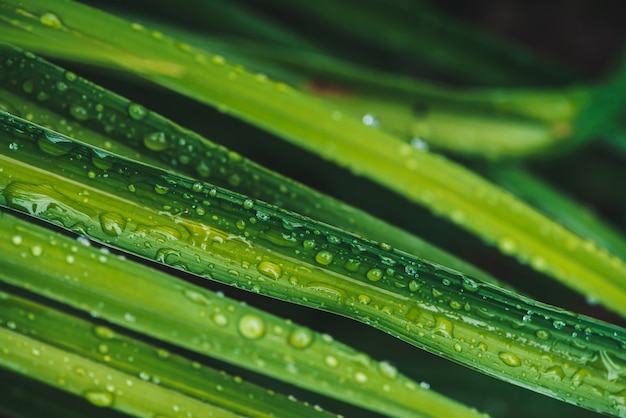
<point>198,320</point>
<point>97,342</point>
<point>214,233</point>
<point>154,140</point>
<point>560,207</point>
<point>98,383</point>
<point>446,188</point>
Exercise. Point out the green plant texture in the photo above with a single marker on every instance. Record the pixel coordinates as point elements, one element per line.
<point>391,216</point>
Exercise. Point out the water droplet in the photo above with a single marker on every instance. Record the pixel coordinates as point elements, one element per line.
<point>17,239</point>
<point>14,146</point>
<point>458,348</point>
<point>28,86</point>
<point>300,338</point>
<point>79,112</point>
<point>388,370</point>
<point>99,398</point>
<point>331,361</point>
<point>137,111</point>
<point>443,327</point>
<point>413,286</point>
<point>364,299</point>
<point>218,60</point>
<point>162,353</point>
<point>251,326</point>
<point>509,359</point>
<point>196,297</point>
<point>352,265</point>
<point>103,332</point>
<point>374,275</point>
<point>156,141</point>
<point>579,376</point>
<point>360,377</point>
<point>112,223</point>
<point>558,324</point>
<point>269,269</point>
<point>528,318</point>
<point>129,317</point>
<point>553,373</point>
<point>507,245</point>
<point>419,143</point>
<point>161,189</point>
<point>324,257</point>
<point>219,319</point>
<point>248,204</point>
<point>470,285</point>
<point>51,20</point>
<point>369,120</point>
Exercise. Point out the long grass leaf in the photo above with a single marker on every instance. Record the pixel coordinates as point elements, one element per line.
<point>223,236</point>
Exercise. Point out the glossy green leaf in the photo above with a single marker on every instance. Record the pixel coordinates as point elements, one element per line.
<point>216,234</point>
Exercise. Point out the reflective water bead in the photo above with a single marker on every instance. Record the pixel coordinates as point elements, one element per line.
<point>251,326</point>
<point>324,257</point>
<point>300,338</point>
<point>269,269</point>
<point>509,359</point>
<point>137,111</point>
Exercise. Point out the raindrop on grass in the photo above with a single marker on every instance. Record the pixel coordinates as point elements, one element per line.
<point>51,20</point>
<point>269,269</point>
<point>509,359</point>
<point>324,257</point>
<point>137,111</point>
<point>156,141</point>
<point>112,223</point>
<point>374,275</point>
<point>300,338</point>
<point>251,326</point>
<point>79,112</point>
<point>99,398</point>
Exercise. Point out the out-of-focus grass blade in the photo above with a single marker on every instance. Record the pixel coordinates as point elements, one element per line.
<point>187,316</point>
<point>97,342</point>
<point>97,382</point>
<point>217,234</point>
<point>448,189</point>
<point>426,41</point>
<point>554,203</point>
<point>44,93</point>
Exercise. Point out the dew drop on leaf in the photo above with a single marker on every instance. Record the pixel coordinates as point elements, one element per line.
<point>99,398</point>
<point>137,111</point>
<point>300,338</point>
<point>324,257</point>
<point>269,269</point>
<point>51,20</point>
<point>509,359</point>
<point>156,141</point>
<point>112,223</point>
<point>251,326</point>
<point>374,275</point>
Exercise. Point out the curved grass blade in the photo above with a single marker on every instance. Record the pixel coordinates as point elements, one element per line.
<point>198,320</point>
<point>97,342</point>
<point>216,234</point>
<point>446,188</point>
